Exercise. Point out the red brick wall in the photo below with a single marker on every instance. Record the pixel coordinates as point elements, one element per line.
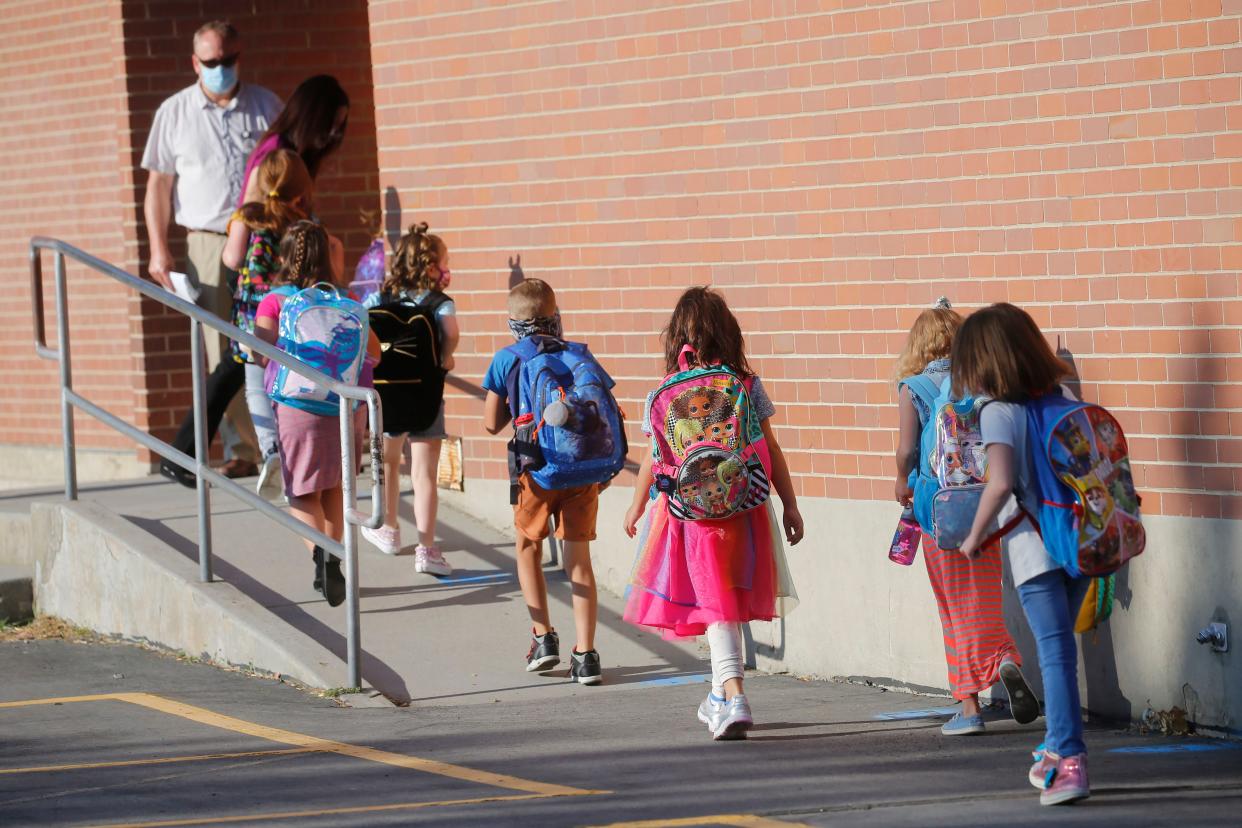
<point>83,82</point>
<point>833,172</point>
<point>64,132</point>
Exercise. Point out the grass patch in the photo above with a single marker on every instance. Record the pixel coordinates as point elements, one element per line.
<point>44,627</point>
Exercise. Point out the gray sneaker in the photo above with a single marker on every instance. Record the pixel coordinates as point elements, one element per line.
<point>735,720</point>
<point>271,484</point>
<point>711,710</point>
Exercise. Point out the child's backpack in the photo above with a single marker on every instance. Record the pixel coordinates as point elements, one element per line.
<point>952,469</point>
<point>1089,513</point>
<point>1097,605</point>
<point>710,456</point>
<point>568,429</point>
<point>369,272</point>
<point>328,332</point>
<point>409,378</point>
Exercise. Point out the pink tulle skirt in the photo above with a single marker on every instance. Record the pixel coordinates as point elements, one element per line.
<point>691,574</point>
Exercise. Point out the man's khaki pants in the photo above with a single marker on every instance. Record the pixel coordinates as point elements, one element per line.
<point>208,272</point>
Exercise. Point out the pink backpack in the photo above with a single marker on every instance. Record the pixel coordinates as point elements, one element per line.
<point>711,458</point>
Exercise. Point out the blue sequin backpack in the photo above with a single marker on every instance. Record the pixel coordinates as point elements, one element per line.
<point>326,330</point>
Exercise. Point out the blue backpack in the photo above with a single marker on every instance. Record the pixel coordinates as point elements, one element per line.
<point>951,472</point>
<point>568,429</point>
<point>1089,511</point>
<point>328,332</point>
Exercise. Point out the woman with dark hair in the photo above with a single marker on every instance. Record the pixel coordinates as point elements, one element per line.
<point>312,124</point>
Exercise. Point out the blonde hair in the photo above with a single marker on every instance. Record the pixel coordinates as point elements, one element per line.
<point>284,181</point>
<point>531,298</point>
<point>682,431</point>
<point>931,338</point>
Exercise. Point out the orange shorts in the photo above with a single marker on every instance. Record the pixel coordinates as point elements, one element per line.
<point>575,510</point>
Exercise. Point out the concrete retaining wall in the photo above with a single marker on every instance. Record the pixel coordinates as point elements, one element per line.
<point>861,616</point>
<point>97,570</point>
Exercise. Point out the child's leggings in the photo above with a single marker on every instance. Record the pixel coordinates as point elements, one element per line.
<point>1051,603</point>
<point>728,661</point>
<point>260,410</point>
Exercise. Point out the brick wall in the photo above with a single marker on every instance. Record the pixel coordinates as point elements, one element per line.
<point>63,135</point>
<point>85,80</point>
<point>833,172</point>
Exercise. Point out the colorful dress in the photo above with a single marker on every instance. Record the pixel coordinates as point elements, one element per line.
<point>968,596</point>
<point>253,282</point>
<point>690,574</point>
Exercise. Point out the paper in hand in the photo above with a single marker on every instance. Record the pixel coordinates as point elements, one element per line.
<point>183,287</point>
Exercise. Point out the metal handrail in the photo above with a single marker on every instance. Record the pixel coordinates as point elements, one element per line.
<point>205,475</point>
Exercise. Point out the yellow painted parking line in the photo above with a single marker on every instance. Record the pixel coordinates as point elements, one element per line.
<point>165,760</point>
<point>314,743</point>
<point>738,820</point>
<point>361,809</point>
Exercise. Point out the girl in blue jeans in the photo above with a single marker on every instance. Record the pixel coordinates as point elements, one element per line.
<point>1000,353</point>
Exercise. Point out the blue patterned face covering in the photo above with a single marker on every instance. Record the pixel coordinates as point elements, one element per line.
<point>544,325</point>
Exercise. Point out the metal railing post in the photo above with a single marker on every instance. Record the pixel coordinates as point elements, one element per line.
<point>350,541</point>
<point>201,447</point>
<point>66,381</point>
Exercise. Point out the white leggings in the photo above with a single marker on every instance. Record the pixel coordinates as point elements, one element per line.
<point>725,642</point>
<point>260,410</point>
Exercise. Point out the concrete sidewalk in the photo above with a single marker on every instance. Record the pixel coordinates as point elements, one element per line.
<point>451,640</point>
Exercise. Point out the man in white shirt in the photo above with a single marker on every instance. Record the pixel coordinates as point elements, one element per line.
<point>196,156</point>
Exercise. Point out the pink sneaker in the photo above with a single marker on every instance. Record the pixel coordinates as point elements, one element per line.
<point>1068,782</point>
<point>430,560</point>
<point>385,538</point>
<point>1044,762</point>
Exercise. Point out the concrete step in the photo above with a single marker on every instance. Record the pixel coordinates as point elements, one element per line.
<point>16,593</point>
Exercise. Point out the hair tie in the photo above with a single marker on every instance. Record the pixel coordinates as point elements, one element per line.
<point>942,304</point>
<point>272,194</point>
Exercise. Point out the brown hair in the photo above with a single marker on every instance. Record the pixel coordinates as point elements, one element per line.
<point>703,321</point>
<point>307,124</point>
<point>416,263</point>
<point>931,338</point>
<point>1000,351</point>
<point>304,258</point>
<point>531,298</point>
<point>282,180</point>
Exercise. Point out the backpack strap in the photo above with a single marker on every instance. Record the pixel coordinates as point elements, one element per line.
<point>923,387</point>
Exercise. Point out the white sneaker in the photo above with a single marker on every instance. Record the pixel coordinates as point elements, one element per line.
<point>271,485</point>
<point>734,721</point>
<point>711,710</point>
<point>430,560</point>
<point>386,539</point>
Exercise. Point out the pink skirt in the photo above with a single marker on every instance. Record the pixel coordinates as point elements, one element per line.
<point>691,574</point>
<point>310,448</point>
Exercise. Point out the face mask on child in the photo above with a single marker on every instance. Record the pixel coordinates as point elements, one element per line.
<point>545,325</point>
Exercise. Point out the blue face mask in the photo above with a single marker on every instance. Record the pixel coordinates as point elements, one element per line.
<point>219,79</point>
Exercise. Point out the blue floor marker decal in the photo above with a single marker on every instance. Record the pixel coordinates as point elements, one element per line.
<point>1182,747</point>
<point>495,576</point>
<point>668,681</point>
<point>929,713</point>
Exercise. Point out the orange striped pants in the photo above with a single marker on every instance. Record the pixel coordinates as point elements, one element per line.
<point>968,595</point>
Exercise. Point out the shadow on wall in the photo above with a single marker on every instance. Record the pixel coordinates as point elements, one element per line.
<point>393,228</point>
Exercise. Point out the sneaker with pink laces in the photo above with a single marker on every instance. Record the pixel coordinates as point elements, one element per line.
<point>1045,761</point>
<point>1067,782</point>
<point>430,560</point>
<point>386,539</point>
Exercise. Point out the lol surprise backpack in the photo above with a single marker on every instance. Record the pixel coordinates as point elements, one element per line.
<point>953,469</point>
<point>710,456</point>
<point>327,331</point>
<point>568,428</point>
<point>1089,512</point>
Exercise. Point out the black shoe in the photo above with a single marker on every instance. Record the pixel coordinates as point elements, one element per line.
<point>544,654</point>
<point>317,557</point>
<point>177,474</point>
<point>1023,705</point>
<point>584,667</point>
<point>333,582</point>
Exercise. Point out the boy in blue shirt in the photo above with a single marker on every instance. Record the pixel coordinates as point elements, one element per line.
<point>533,312</point>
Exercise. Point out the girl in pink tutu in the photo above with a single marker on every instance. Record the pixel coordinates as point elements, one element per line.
<point>711,556</point>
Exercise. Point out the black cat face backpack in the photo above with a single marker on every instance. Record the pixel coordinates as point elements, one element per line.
<point>409,378</point>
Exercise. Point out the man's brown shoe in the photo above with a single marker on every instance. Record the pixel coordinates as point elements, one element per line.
<point>238,468</point>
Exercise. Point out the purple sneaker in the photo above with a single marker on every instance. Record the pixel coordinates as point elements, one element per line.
<point>1067,782</point>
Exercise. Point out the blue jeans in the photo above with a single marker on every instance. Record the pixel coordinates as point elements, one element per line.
<point>1051,602</point>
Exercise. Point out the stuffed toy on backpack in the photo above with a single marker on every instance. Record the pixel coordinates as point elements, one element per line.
<point>710,456</point>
